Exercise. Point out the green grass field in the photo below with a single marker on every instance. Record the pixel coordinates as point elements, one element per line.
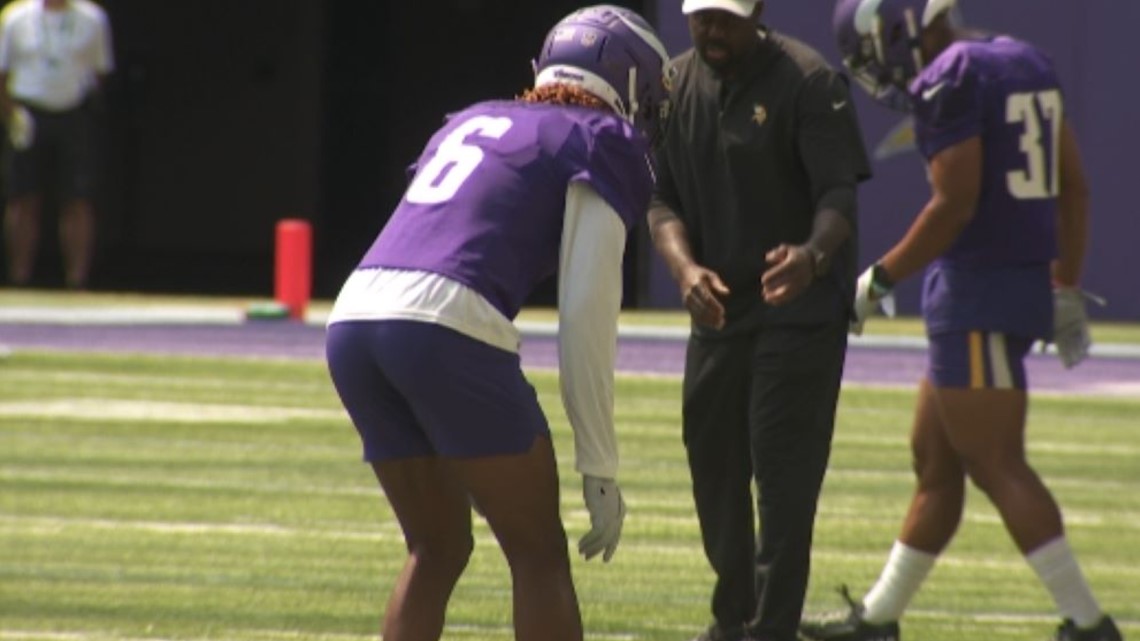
<point>146,498</point>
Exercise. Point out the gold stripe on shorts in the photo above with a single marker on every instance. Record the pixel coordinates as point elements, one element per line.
<point>977,362</point>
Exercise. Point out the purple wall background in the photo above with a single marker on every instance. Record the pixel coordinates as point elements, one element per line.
<point>1089,40</point>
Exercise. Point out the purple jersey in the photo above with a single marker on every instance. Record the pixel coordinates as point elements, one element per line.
<point>996,274</point>
<point>486,203</point>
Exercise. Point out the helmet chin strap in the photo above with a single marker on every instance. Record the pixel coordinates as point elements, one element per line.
<point>914,33</point>
<point>877,40</point>
<point>633,106</point>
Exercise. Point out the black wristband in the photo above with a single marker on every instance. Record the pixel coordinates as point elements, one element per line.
<point>881,281</point>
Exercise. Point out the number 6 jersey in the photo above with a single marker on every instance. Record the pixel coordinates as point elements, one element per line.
<point>505,194</point>
<point>485,206</point>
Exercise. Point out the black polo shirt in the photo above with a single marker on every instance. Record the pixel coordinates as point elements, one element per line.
<point>745,165</point>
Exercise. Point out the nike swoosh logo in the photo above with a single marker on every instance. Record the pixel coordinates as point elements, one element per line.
<point>933,91</point>
<point>838,105</point>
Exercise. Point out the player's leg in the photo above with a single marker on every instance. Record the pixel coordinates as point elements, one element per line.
<point>479,411</point>
<point>985,419</point>
<point>932,518</point>
<point>519,497</point>
<point>432,509</point>
<point>435,517</point>
<point>986,422</point>
<point>940,480</point>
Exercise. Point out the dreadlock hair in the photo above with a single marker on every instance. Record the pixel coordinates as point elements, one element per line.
<point>564,94</point>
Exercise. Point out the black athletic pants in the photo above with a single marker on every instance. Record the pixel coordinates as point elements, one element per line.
<point>761,408</point>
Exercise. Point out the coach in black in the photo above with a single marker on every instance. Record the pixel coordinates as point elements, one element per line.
<point>755,216</point>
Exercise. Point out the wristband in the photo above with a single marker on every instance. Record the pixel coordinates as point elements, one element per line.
<point>881,283</point>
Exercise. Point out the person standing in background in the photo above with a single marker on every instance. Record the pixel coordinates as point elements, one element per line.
<point>1002,241</point>
<point>754,214</point>
<point>54,55</point>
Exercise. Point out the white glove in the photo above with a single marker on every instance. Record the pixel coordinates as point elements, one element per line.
<point>607,513</point>
<point>868,302</point>
<point>21,128</point>
<point>1070,326</point>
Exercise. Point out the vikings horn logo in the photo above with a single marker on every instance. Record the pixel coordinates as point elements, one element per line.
<point>759,114</point>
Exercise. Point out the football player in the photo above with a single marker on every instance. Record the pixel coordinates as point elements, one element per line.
<point>421,345</point>
<point>1002,241</point>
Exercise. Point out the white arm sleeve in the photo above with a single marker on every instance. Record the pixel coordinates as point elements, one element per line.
<point>589,300</point>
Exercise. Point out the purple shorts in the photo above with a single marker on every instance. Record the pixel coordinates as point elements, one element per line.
<point>978,360</point>
<point>417,389</point>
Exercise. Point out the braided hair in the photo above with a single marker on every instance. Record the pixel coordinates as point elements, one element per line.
<point>564,94</point>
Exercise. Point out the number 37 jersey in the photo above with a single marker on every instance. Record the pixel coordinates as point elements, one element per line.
<point>486,203</point>
<point>1006,92</point>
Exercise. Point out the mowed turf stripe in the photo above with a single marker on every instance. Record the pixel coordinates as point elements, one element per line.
<point>642,528</point>
<point>635,545</point>
<point>104,409</point>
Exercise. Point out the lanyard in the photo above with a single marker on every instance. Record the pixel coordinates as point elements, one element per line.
<point>54,47</point>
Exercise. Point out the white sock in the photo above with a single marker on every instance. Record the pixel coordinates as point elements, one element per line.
<point>903,574</point>
<point>1058,570</point>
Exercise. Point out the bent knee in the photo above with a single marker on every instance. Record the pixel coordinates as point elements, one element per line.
<point>937,471</point>
<point>990,474</point>
<point>448,554</point>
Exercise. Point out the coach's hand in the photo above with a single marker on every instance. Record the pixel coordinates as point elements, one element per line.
<point>870,297</point>
<point>791,270</point>
<point>1070,326</point>
<point>701,291</point>
<point>607,513</point>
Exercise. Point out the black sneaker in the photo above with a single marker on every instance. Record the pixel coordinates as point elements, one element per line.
<point>849,626</point>
<point>1104,631</point>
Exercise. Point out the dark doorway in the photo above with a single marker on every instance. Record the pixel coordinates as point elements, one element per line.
<point>393,71</point>
<point>226,116</point>
<point>213,135</point>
